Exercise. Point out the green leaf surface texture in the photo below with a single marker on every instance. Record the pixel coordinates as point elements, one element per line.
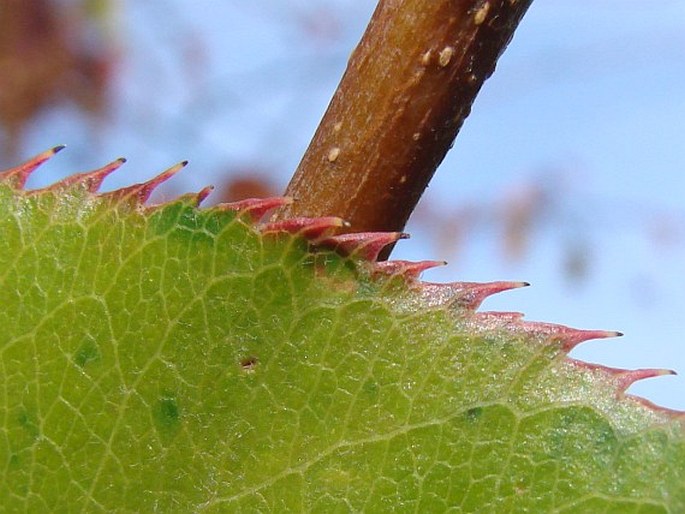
<point>172,358</point>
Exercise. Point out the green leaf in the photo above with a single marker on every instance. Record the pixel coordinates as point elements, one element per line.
<point>178,359</point>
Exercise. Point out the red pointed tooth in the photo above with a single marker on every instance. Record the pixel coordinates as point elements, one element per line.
<point>626,377</point>
<point>20,174</point>
<point>468,295</point>
<point>569,337</point>
<point>197,198</point>
<point>256,208</point>
<point>477,292</point>
<point>203,193</point>
<point>623,377</point>
<point>573,337</point>
<point>139,193</point>
<point>409,269</point>
<point>92,180</point>
<point>310,228</point>
<point>366,245</point>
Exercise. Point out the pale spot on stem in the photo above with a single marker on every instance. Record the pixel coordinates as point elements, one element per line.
<point>445,56</point>
<point>481,13</point>
<point>333,154</point>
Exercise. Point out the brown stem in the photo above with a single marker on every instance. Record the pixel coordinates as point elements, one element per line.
<point>407,89</point>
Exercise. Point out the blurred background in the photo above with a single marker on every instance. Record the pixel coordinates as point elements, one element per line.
<point>567,174</point>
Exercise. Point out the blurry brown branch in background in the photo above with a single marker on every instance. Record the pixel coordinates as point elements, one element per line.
<point>49,55</point>
<point>246,182</point>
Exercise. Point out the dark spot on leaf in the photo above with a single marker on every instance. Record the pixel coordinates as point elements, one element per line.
<point>248,364</point>
<point>370,387</point>
<point>169,409</point>
<point>167,414</point>
<point>29,424</point>
<point>474,414</point>
<point>14,461</point>
<point>87,353</point>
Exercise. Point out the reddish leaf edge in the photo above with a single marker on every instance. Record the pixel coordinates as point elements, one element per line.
<point>365,248</point>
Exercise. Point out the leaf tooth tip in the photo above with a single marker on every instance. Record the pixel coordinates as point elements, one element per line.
<point>95,178</point>
<point>154,182</point>
<point>366,245</point>
<point>18,175</point>
<point>91,180</point>
<point>626,378</point>
<point>569,337</point>
<point>572,337</point>
<point>140,193</point>
<point>629,377</point>
<point>146,188</point>
<point>203,193</point>
<point>468,295</point>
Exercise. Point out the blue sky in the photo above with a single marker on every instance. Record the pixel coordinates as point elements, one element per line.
<point>588,100</point>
